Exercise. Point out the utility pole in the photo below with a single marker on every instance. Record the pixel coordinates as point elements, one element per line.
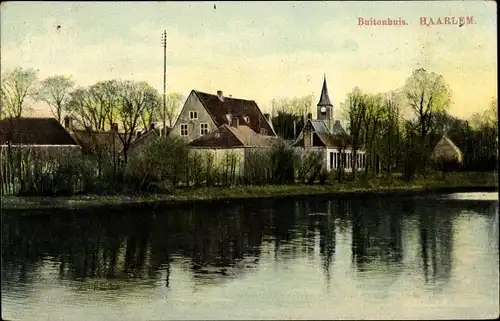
<point>164,43</point>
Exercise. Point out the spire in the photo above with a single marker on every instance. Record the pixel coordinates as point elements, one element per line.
<point>324,100</point>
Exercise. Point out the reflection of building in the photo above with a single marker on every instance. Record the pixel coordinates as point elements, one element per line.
<point>326,136</point>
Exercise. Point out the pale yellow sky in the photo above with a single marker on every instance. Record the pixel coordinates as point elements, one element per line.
<point>257,50</point>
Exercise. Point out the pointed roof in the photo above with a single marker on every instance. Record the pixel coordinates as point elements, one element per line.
<point>445,148</point>
<point>324,100</point>
<point>324,136</point>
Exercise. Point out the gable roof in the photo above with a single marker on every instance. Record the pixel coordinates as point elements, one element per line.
<point>89,140</point>
<point>34,131</point>
<point>446,148</point>
<point>144,138</point>
<point>230,137</point>
<point>322,135</point>
<point>237,108</point>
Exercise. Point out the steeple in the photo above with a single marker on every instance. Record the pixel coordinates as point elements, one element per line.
<point>325,107</point>
<point>324,100</point>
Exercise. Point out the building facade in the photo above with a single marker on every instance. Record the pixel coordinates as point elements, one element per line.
<point>325,135</point>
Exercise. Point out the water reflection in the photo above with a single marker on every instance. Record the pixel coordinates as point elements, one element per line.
<point>216,244</point>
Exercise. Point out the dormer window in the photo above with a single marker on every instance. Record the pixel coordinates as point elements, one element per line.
<point>246,119</point>
<point>193,115</point>
<point>229,117</point>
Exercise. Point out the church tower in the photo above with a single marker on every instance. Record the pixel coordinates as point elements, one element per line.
<point>325,107</point>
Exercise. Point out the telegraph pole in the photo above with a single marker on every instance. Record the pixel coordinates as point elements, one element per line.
<point>164,43</point>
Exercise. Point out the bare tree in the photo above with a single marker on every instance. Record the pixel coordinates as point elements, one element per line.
<point>371,124</point>
<point>55,92</point>
<point>356,112</point>
<point>152,112</point>
<point>83,108</point>
<point>391,133</point>
<point>134,100</point>
<point>173,105</point>
<point>17,85</point>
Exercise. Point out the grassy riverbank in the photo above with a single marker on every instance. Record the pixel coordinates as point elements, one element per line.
<point>453,182</point>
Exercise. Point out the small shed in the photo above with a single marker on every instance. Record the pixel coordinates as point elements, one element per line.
<point>445,149</point>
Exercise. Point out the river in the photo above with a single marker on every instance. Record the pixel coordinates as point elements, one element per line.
<point>420,257</point>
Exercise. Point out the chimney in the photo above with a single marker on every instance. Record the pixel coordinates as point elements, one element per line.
<point>235,122</point>
<point>309,116</point>
<point>220,95</point>
<point>267,116</point>
<point>68,122</point>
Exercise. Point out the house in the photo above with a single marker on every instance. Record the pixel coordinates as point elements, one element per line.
<point>229,128</point>
<point>38,133</point>
<point>326,136</point>
<point>446,150</point>
<point>95,141</point>
<point>142,140</point>
<point>30,147</point>
<point>203,113</point>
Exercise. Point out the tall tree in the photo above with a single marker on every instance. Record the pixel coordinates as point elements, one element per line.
<point>135,99</point>
<point>356,112</point>
<point>55,92</point>
<point>426,93</point>
<point>390,140</point>
<point>17,86</point>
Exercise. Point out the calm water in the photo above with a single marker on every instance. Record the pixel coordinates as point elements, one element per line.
<point>390,258</point>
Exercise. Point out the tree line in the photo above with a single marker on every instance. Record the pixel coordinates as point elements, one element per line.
<point>400,129</point>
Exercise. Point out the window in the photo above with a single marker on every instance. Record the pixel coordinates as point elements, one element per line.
<point>184,129</point>
<point>263,131</point>
<point>246,119</point>
<point>335,162</point>
<point>331,160</point>
<point>203,129</point>
<point>193,114</point>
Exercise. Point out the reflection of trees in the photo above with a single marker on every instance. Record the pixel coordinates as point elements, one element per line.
<point>376,233</point>
<point>436,241</point>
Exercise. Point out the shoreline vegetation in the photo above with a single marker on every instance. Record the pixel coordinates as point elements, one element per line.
<point>451,183</point>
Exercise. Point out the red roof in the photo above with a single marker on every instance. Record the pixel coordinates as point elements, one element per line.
<point>34,131</point>
<point>237,108</point>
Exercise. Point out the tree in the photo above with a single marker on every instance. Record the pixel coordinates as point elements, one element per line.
<point>287,113</point>
<point>300,106</point>
<point>356,113</point>
<point>173,105</point>
<point>426,93</point>
<point>82,107</point>
<point>17,86</point>
<point>55,92</point>
<point>287,125</point>
<point>371,123</point>
<point>135,97</point>
<point>390,142</point>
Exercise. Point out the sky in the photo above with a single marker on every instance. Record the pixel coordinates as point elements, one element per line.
<point>257,50</point>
